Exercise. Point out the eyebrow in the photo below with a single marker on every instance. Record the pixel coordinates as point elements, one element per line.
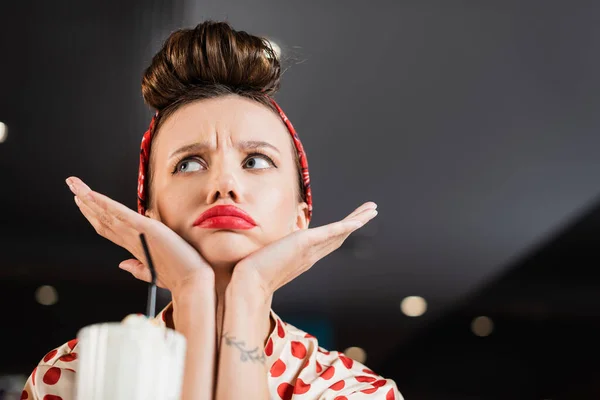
<point>243,145</point>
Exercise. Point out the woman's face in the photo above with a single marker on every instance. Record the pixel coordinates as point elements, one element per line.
<point>226,151</point>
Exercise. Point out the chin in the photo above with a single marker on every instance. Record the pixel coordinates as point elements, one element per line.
<point>225,248</point>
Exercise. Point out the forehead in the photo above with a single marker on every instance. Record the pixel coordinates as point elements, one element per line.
<point>220,121</point>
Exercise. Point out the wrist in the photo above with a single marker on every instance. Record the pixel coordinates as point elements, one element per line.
<point>194,302</point>
<point>195,286</point>
<point>247,315</point>
<point>245,291</point>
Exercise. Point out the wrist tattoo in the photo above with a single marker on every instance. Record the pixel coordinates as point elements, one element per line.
<point>254,355</point>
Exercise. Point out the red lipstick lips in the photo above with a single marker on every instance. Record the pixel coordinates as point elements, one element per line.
<point>225,217</point>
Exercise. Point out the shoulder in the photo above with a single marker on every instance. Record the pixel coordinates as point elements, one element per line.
<point>299,366</point>
<point>54,375</point>
<point>63,356</point>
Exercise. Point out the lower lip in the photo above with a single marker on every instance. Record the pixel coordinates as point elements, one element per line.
<point>226,222</point>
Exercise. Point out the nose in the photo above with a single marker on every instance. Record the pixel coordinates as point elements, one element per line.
<point>224,185</point>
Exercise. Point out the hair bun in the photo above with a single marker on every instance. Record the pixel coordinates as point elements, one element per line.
<point>212,54</point>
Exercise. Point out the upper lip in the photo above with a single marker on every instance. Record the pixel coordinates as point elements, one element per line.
<point>224,211</point>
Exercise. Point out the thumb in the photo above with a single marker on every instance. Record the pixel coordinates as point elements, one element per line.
<point>138,270</point>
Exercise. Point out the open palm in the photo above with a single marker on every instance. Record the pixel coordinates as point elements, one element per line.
<point>282,261</point>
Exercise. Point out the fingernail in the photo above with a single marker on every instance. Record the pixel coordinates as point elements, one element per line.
<point>70,184</point>
<point>77,201</point>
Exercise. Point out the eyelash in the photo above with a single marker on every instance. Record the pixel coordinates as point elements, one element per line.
<point>255,154</point>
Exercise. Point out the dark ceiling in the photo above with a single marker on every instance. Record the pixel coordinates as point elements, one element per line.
<point>473,126</point>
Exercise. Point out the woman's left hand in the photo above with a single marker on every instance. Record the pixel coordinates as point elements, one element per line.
<point>280,262</point>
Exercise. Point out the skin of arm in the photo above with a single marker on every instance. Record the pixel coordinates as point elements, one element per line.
<point>194,317</point>
<point>243,369</point>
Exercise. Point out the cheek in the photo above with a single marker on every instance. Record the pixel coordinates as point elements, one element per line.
<point>175,206</point>
<point>276,207</point>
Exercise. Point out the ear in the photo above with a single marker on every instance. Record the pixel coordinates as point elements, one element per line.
<point>302,220</point>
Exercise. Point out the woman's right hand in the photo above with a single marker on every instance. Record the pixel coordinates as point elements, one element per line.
<point>177,263</point>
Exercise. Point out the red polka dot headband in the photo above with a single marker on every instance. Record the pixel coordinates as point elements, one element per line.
<point>145,158</point>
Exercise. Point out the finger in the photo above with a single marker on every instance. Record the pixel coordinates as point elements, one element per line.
<point>313,250</point>
<point>364,216</point>
<point>369,205</point>
<point>331,238</point>
<point>108,211</point>
<point>138,270</point>
<point>343,227</point>
<point>83,192</point>
<point>92,218</point>
<point>112,215</point>
<point>311,245</point>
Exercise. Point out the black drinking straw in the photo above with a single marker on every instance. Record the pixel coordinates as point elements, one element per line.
<point>151,304</point>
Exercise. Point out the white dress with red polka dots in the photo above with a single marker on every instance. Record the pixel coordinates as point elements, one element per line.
<point>299,370</point>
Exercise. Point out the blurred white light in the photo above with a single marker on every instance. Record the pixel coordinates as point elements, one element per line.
<point>46,295</point>
<point>3,132</point>
<point>482,326</point>
<point>357,354</point>
<point>413,306</point>
<point>276,48</point>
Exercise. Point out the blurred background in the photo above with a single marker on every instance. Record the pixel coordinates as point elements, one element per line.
<point>473,125</point>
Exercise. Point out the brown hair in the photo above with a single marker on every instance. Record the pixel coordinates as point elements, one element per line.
<point>208,61</point>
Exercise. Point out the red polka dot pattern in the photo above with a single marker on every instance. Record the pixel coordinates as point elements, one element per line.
<point>368,371</point>
<point>285,391</point>
<point>280,330</point>
<point>301,387</point>
<point>369,391</point>
<point>68,357</point>
<point>278,369</point>
<point>298,369</point>
<point>379,383</point>
<point>52,376</point>
<point>365,379</point>
<point>346,361</point>
<point>269,347</point>
<point>390,395</point>
<point>298,350</point>
<point>329,372</point>
<point>50,355</point>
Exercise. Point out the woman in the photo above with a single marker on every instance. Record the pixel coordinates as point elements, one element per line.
<point>224,201</point>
